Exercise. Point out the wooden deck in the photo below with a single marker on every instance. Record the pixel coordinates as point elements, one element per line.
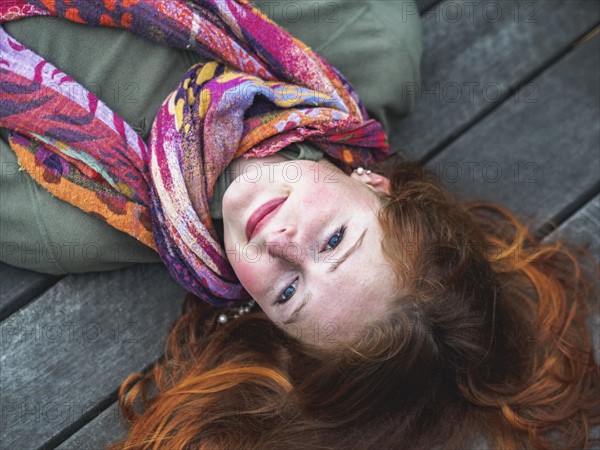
<point>508,110</point>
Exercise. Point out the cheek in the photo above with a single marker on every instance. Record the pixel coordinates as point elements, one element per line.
<point>320,197</point>
<point>313,202</point>
<point>250,275</point>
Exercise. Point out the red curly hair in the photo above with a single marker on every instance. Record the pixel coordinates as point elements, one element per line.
<point>487,340</point>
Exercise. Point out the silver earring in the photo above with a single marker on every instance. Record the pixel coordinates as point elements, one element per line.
<point>223,318</point>
<point>361,170</point>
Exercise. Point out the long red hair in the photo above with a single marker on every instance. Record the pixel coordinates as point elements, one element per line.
<point>486,340</point>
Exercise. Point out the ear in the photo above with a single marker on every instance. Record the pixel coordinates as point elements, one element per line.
<point>374,181</point>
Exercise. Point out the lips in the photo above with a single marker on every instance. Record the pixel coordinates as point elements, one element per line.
<point>262,215</point>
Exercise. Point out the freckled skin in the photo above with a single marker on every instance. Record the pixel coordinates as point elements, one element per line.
<point>288,250</point>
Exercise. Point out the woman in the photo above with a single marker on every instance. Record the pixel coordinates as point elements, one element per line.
<point>480,348</point>
<point>442,329</point>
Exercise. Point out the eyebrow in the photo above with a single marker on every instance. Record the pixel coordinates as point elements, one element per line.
<point>351,250</point>
<point>294,316</point>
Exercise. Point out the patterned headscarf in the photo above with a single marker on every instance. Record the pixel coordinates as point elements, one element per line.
<point>262,91</point>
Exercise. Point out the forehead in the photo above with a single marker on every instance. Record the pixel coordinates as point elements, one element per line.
<point>338,191</point>
<point>316,172</point>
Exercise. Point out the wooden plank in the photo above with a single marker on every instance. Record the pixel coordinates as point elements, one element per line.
<point>69,350</point>
<point>19,286</point>
<point>475,53</point>
<point>108,428</point>
<point>535,157</point>
<point>583,228</point>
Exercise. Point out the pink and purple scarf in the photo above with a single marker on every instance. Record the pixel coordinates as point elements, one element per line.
<point>71,143</point>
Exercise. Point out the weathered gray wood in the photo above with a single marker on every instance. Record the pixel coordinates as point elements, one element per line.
<point>583,228</point>
<point>538,157</point>
<point>71,348</point>
<point>108,428</point>
<point>471,60</point>
<point>18,286</point>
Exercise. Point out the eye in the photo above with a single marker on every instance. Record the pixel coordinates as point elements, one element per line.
<point>335,239</point>
<point>288,292</point>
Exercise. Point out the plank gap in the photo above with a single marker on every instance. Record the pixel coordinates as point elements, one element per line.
<point>28,296</point>
<point>426,5</point>
<point>565,214</point>
<point>587,37</point>
<point>69,431</point>
<point>74,427</point>
<point>435,151</point>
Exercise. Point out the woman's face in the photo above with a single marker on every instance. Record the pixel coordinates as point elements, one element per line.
<point>305,242</point>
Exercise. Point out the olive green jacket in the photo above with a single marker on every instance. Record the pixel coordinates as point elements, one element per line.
<point>376,44</point>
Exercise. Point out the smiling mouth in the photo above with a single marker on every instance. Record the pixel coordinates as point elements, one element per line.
<point>262,215</point>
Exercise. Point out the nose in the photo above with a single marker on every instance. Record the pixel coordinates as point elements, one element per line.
<point>282,242</point>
